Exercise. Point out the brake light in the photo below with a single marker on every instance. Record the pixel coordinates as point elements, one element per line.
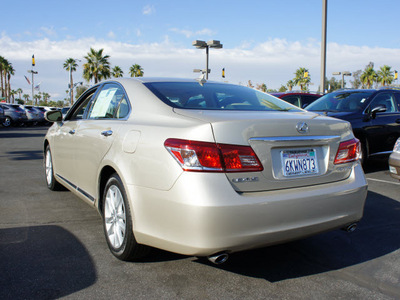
<point>348,151</point>
<point>212,157</point>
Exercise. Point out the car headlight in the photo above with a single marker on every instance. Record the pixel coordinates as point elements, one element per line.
<point>396,147</point>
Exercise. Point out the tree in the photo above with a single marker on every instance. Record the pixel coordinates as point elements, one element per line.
<point>26,97</point>
<point>250,84</point>
<point>302,78</point>
<point>290,84</point>
<point>9,71</point>
<point>385,75</point>
<point>262,87</point>
<point>97,66</point>
<point>80,90</point>
<point>12,95</point>
<point>332,84</point>
<point>117,72</point>
<point>70,65</point>
<point>282,89</point>
<point>3,63</point>
<point>136,71</point>
<point>19,92</point>
<point>368,77</point>
<point>46,97</point>
<point>356,83</point>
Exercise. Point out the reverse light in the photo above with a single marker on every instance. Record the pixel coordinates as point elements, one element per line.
<point>348,151</point>
<point>212,157</point>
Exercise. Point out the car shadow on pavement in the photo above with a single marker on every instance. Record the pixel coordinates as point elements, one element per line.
<point>378,234</point>
<point>42,262</point>
<point>25,155</point>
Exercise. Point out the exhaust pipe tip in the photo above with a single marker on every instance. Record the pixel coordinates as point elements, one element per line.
<point>218,258</point>
<point>350,228</point>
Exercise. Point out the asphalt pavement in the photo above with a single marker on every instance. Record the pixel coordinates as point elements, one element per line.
<point>52,246</point>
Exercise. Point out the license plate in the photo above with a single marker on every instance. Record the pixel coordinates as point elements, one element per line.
<point>299,162</point>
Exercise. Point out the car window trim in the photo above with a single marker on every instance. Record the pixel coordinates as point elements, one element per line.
<point>94,98</point>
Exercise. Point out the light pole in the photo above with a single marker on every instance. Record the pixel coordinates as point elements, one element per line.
<point>344,73</point>
<point>203,45</point>
<point>33,73</point>
<point>70,85</point>
<point>323,45</point>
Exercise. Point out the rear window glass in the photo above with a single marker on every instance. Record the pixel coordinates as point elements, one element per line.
<point>343,101</point>
<point>215,96</point>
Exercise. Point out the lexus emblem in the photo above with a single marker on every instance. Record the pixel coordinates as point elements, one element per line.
<point>302,127</point>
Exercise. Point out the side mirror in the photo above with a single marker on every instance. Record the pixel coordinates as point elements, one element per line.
<point>377,109</point>
<point>53,116</point>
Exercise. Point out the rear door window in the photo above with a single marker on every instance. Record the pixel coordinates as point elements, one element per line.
<point>110,103</point>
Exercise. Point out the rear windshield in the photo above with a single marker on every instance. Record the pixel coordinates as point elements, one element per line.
<point>216,96</point>
<point>351,101</point>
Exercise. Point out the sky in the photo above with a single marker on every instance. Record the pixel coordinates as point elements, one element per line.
<point>264,41</point>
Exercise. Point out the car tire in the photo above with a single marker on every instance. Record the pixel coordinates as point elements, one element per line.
<point>7,122</point>
<point>51,181</point>
<point>117,222</point>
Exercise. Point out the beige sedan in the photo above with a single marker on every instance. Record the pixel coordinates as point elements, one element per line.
<point>394,161</point>
<point>203,168</point>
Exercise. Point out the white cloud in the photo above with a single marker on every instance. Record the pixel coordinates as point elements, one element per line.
<point>189,33</point>
<point>49,31</point>
<point>111,35</point>
<point>272,62</point>
<point>148,10</point>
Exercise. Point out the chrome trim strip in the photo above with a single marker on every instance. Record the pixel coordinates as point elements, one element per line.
<point>76,188</point>
<point>381,153</point>
<point>319,138</point>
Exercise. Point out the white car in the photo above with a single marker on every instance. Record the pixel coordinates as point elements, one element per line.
<point>203,168</point>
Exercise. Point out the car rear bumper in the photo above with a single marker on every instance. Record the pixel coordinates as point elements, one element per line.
<point>394,165</point>
<point>202,214</point>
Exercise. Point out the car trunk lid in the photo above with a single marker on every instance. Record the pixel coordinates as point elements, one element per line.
<point>290,158</point>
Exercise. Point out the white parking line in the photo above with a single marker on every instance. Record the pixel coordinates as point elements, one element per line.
<point>379,180</point>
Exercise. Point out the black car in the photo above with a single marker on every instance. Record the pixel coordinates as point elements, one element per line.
<point>374,116</point>
<point>300,99</point>
<point>14,115</point>
<point>2,116</point>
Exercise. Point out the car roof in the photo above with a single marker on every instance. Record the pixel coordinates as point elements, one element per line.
<point>128,80</point>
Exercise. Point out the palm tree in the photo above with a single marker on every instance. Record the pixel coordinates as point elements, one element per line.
<point>26,97</point>
<point>9,71</point>
<point>70,65</point>
<point>290,84</point>
<point>385,76</point>
<point>97,66</point>
<point>46,96</point>
<point>136,71</point>
<point>3,63</point>
<point>117,72</point>
<point>368,77</point>
<point>302,79</point>
<point>19,92</point>
<point>262,87</point>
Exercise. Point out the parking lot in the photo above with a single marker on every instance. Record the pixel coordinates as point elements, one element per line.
<point>52,245</point>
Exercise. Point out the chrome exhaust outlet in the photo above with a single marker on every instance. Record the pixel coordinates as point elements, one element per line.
<point>350,228</point>
<point>218,258</point>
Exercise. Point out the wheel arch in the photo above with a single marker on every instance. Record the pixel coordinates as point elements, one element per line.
<point>105,174</point>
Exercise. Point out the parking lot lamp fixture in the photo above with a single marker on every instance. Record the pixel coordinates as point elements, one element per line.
<point>344,73</point>
<point>203,45</point>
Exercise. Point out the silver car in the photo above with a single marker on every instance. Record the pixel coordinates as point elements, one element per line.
<point>203,168</point>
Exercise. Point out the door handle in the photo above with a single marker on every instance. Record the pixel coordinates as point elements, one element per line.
<point>72,131</point>
<point>107,132</point>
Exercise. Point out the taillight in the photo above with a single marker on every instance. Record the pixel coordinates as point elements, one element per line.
<point>212,157</point>
<point>348,151</point>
